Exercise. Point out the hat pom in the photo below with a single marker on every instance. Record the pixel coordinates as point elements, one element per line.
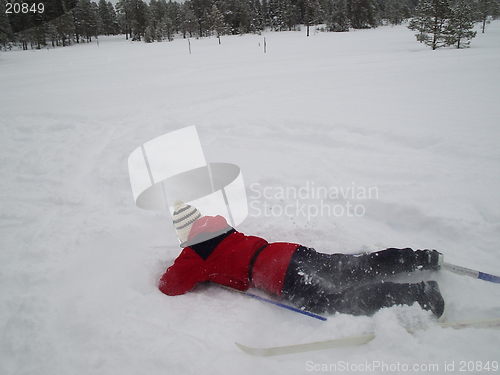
<point>183,218</point>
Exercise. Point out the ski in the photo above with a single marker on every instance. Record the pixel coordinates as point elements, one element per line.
<point>352,340</point>
<point>307,347</point>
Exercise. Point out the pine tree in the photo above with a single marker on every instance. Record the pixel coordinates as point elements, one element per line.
<point>149,34</point>
<point>244,17</point>
<point>173,11</point>
<point>217,24</point>
<point>114,27</point>
<point>256,16</point>
<point>291,15</point>
<point>5,30</point>
<point>65,28</point>
<point>336,16</point>
<point>124,16</point>
<point>52,34</point>
<point>166,28</point>
<point>21,22</point>
<point>265,14</point>
<point>484,9</point>
<point>201,9</point>
<point>138,17</point>
<point>459,28</point>
<point>396,11</point>
<point>160,23</point>
<point>362,13</point>
<point>85,17</point>
<point>313,13</point>
<point>156,12</point>
<point>104,18</point>
<point>38,34</point>
<point>23,37</point>
<point>430,21</point>
<point>277,14</point>
<point>496,10</point>
<point>188,23</point>
<point>94,21</point>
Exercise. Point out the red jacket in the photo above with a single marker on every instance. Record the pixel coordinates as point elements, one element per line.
<point>229,263</point>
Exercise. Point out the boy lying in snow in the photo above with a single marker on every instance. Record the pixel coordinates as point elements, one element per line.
<point>316,282</point>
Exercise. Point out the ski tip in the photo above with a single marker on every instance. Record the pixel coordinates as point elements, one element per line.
<point>241,346</point>
<point>482,323</point>
<point>252,351</point>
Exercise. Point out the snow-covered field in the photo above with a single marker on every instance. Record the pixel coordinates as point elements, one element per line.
<point>79,262</point>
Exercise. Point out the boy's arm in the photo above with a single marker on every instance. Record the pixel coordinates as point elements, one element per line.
<point>187,271</point>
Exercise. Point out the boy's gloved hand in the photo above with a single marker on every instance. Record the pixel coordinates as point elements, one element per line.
<point>430,259</point>
<point>435,260</point>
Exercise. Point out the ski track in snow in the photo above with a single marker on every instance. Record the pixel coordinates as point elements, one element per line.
<point>79,262</point>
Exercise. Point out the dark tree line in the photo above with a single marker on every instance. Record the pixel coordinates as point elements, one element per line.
<point>79,21</point>
<point>61,24</point>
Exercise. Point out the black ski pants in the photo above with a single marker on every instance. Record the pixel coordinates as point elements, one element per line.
<point>352,284</point>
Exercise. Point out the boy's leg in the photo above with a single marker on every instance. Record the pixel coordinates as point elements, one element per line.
<point>320,282</point>
<point>339,271</point>
<point>393,261</point>
<point>309,280</point>
<point>367,299</point>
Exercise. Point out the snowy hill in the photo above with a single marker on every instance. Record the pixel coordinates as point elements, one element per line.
<point>79,262</point>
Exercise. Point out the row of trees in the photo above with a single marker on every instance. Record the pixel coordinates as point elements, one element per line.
<point>81,20</point>
<point>58,27</point>
<point>443,23</point>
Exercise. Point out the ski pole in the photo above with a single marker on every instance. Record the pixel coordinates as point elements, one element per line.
<point>291,308</point>
<point>279,304</point>
<point>471,273</point>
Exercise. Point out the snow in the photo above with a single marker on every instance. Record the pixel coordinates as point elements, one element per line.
<point>80,263</point>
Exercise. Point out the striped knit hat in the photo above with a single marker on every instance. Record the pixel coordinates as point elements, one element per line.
<point>184,216</point>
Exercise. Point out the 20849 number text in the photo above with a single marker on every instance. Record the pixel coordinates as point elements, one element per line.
<point>24,8</point>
